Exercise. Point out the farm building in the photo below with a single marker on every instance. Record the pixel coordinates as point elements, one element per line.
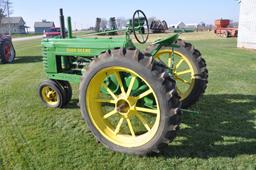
<point>42,26</point>
<point>192,26</point>
<point>180,25</point>
<point>247,24</point>
<point>14,24</point>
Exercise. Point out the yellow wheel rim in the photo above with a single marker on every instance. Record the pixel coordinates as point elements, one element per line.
<point>183,71</point>
<point>119,116</point>
<point>49,95</point>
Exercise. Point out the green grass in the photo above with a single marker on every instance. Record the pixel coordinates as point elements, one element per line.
<point>222,136</point>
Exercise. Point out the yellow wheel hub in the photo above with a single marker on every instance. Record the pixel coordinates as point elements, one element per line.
<point>183,71</point>
<point>123,107</point>
<point>121,117</point>
<point>49,95</point>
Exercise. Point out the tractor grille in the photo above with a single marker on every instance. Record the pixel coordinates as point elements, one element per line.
<point>45,58</point>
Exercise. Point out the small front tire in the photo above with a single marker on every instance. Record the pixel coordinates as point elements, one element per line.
<point>51,94</point>
<point>67,90</point>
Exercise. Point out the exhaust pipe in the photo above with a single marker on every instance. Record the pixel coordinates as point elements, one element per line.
<point>62,24</point>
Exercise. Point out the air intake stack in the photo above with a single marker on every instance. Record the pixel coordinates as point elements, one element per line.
<point>62,24</point>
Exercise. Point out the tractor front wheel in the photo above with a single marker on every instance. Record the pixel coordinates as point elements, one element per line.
<point>129,103</point>
<point>51,94</point>
<point>65,85</point>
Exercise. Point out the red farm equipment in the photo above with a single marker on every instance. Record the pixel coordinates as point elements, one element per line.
<point>7,52</point>
<point>222,28</point>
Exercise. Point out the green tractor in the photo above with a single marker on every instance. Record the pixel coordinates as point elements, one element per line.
<point>129,98</point>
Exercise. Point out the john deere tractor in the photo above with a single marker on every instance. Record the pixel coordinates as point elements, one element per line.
<point>7,52</point>
<point>129,98</point>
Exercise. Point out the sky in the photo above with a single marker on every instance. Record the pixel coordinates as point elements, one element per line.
<point>84,12</point>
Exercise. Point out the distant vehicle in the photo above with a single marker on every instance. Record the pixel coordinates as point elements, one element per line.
<point>222,28</point>
<point>52,32</point>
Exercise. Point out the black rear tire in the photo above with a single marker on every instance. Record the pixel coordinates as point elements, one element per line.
<point>200,69</point>
<point>4,45</point>
<point>162,85</point>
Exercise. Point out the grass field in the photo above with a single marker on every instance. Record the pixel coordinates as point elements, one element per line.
<point>221,136</point>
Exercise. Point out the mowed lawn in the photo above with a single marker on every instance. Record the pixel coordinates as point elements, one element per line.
<point>221,136</point>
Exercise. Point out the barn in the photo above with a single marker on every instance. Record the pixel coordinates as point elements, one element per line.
<point>247,24</point>
<point>13,24</point>
<point>42,26</point>
<point>180,25</point>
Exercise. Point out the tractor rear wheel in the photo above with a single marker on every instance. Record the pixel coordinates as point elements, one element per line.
<point>129,102</point>
<point>190,71</point>
<point>7,52</point>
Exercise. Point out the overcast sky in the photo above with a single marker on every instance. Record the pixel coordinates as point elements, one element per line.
<point>84,12</point>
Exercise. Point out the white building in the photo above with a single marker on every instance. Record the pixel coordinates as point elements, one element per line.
<point>192,26</point>
<point>247,24</point>
<point>180,25</point>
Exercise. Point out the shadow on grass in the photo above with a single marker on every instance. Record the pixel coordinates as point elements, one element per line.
<point>27,59</point>
<point>73,104</point>
<point>225,127</point>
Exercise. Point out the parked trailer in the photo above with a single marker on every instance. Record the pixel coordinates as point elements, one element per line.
<point>222,28</point>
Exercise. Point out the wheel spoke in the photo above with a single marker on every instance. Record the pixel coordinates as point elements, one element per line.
<point>143,121</point>
<point>183,72</point>
<point>105,101</point>
<point>110,114</point>
<point>158,56</point>
<point>47,90</point>
<point>117,130</point>
<point>139,18</point>
<point>130,127</point>
<point>55,98</point>
<point>146,110</point>
<point>179,63</point>
<point>109,91</point>
<point>141,36</point>
<point>183,81</point>
<point>130,86</point>
<point>169,60</point>
<point>178,90</point>
<point>119,81</point>
<point>145,94</point>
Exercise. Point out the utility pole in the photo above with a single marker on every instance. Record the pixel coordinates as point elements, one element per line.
<point>8,15</point>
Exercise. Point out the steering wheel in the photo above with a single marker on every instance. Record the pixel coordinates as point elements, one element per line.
<point>140,26</point>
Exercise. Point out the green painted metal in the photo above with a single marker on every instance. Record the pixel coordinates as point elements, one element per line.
<point>67,77</point>
<point>61,57</point>
<point>167,41</point>
<point>57,52</point>
<point>69,28</point>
